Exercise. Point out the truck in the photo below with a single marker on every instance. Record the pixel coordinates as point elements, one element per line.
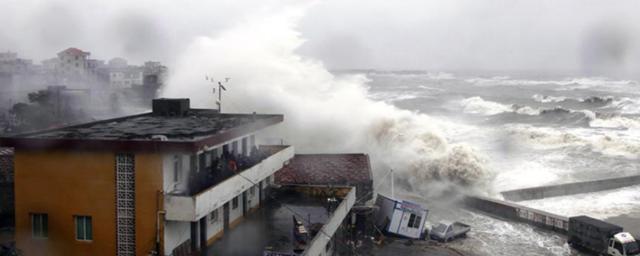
<point>600,238</point>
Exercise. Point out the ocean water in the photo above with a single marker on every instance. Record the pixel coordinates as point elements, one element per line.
<point>529,130</point>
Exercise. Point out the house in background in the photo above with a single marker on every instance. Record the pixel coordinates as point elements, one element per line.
<point>73,62</point>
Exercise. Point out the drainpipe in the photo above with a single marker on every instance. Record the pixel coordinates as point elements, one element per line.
<point>158,219</point>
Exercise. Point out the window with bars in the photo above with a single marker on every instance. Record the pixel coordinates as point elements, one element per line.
<point>84,230</point>
<point>39,225</point>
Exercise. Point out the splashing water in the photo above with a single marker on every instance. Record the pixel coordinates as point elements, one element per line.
<point>323,112</point>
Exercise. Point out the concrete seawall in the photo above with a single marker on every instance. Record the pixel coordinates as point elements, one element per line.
<point>516,212</point>
<point>569,188</point>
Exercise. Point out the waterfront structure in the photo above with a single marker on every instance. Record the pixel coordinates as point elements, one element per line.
<point>330,169</point>
<point>400,217</point>
<point>168,182</point>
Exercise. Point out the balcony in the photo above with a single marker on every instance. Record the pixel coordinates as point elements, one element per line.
<point>213,190</point>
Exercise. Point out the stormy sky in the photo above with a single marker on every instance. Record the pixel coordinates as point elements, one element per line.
<point>592,37</point>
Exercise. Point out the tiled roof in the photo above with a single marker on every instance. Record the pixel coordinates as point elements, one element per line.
<point>6,151</point>
<point>74,51</point>
<point>326,169</point>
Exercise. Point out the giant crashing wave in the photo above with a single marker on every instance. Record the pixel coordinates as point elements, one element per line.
<point>427,163</point>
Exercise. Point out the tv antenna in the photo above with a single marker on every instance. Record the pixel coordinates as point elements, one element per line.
<point>220,89</point>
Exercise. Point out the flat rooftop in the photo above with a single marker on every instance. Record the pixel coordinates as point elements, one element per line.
<point>194,128</point>
<point>271,226</point>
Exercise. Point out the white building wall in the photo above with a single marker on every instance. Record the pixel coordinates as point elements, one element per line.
<point>236,213</point>
<point>175,233</point>
<point>318,244</point>
<point>192,208</point>
<point>253,198</point>
<point>168,183</point>
<point>215,225</point>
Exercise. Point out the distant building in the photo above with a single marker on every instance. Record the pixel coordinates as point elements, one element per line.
<point>15,74</point>
<point>118,63</point>
<point>122,75</point>
<point>8,56</point>
<point>73,62</point>
<point>6,187</point>
<point>125,77</point>
<point>171,182</point>
<point>330,169</point>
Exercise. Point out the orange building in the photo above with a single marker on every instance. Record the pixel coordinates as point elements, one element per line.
<point>168,182</point>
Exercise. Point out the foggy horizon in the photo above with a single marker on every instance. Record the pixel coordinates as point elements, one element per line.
<point>592,38</point>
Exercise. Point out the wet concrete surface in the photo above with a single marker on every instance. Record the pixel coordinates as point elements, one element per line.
<point>417,247</point>
<point>271,226</point>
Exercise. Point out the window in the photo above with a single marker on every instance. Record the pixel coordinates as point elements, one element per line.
<point>617,246</point>
<point>84,230</point>
<point>207,160</point>
<point>252,191</point>
<point>234,147</point>
<point>39,225</point>
<point>412,219</point>
<point>416,223</point>
<point>177,168</point>
<point>234,203</point>
<point>213,217</point>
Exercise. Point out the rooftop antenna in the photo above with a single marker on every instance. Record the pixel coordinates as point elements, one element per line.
<point>220,89</point>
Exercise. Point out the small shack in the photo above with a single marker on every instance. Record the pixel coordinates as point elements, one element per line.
<point>400,217</point>
<point>332,170</point>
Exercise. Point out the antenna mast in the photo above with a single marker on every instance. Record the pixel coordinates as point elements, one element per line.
<point>220,89</point>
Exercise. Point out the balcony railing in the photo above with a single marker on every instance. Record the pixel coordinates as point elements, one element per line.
<point>214,186</point>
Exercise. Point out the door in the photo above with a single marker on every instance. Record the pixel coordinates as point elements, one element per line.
<point>225,217</point>
<point>260,194</point>
<point>244,204</point>
<point>616,249</point>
